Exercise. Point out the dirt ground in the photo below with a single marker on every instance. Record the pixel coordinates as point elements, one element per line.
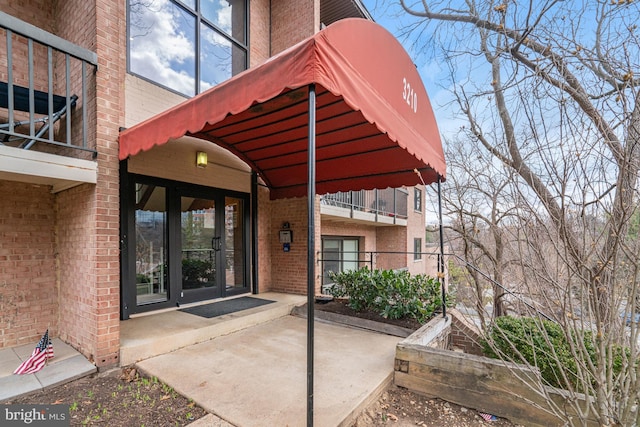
<point>399,407</point>
<point>124,398</point>
<point>119,398</point>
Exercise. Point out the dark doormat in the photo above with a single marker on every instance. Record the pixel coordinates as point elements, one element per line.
<point>225,307</point>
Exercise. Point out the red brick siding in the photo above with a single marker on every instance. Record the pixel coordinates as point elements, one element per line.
<point>75,243</point>
<point>28,292</point>
<point>465,335</point>
<point>293,21</point>
<point>111,49</point>
<point>392,239</point>
<point>260,33</point>
<point>36,12</point>
<point>289,269</point>
<point>264,241</point>
<point>416,229</point>
<point>89,215</point>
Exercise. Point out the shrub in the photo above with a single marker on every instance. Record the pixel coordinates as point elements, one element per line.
<point>543,344</point>
<point>392,294</point>
<point>195,272</point>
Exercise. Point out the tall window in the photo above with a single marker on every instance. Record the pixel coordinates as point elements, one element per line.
<point>417,249</point>
<point>417,200</point>
<point>188,46</point>
<point>339,254</point>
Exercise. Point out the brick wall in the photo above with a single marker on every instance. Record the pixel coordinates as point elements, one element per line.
<point>264,240</point>
<point>289,269</point>
<point>88,216</point>
<point>111,49</point>
<point>75,243</point>
<point>392,239</point>
<point>260,33</point>
<point>293,21</point>
<point>28,292</point>
<point>416,229</point>
<point>465,335</point>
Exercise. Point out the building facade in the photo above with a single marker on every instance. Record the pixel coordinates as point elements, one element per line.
<point>88,240</point>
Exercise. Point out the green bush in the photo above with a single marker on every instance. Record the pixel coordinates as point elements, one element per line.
<point>543,344</point>
<point>197,273</point>
<point>392,294</point>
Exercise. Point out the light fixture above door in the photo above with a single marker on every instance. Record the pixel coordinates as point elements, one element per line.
<point>201,159</point>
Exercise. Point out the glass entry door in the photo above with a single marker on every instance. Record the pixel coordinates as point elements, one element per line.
<point>201,248</point>
<point>150,244</point>
<point>181,243</point>
<point>234,245</point>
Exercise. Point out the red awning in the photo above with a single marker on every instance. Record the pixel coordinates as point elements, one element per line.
<point>374,122</point>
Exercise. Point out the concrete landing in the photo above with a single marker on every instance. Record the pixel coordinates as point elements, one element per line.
<point>66,365</point>
<point>257,376</point>
<point>158,333</point>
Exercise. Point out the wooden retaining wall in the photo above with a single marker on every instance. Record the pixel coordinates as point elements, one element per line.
<point>425,366</point>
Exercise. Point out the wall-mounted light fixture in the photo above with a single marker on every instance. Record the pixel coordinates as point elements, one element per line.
<point>201,159</point>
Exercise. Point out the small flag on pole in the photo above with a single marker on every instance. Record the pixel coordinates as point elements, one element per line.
<point>40,355</point>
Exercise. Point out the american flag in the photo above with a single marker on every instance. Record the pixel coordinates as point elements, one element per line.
<point>487,417</point>
<point>40,355</point>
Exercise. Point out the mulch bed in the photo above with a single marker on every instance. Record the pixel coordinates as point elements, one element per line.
<point>340,306</point>
<point>120,398</point>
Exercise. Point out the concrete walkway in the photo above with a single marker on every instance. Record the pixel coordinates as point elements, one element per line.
<point>66,365</point>
<point>247,368</point>
<point>257,376</point>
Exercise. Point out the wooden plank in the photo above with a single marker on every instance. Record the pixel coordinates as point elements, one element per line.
<point>508,406</point>
<point>504,389</point>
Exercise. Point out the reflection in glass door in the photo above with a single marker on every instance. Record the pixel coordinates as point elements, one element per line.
<point>151,246</point>
<point>200,248</point>
<point>234,243</point>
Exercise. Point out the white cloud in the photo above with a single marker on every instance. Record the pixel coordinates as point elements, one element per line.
<point>160,48</point>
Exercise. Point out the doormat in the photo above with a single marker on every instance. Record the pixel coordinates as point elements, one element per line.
<point>216,309</point>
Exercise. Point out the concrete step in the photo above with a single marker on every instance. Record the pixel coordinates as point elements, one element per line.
<point>154,334</point>
<point>66,365</point>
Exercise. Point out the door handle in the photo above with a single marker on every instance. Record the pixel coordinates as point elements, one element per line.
<point>215,243</point>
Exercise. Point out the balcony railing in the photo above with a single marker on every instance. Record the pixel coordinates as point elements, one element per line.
<point>387,203</point>
<point>45,100</point>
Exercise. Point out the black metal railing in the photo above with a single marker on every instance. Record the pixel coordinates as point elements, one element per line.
<point>44,89</point>
<point>385,260</point>
<point>398,261</point>
<point>390,202</point>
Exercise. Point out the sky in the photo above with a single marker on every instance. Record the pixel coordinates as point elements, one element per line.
<point>434,77</point>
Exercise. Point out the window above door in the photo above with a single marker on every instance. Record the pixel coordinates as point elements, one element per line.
<point>187,46</point>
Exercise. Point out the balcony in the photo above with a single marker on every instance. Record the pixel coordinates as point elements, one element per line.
<point>47,107</point>
<point>381,207</point>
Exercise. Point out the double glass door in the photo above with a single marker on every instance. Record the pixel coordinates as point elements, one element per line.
<point>190,245</point>
<point>212,247</point>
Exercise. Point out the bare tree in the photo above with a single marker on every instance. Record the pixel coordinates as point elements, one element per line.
<point>552,94</point>
<point>476,201</point>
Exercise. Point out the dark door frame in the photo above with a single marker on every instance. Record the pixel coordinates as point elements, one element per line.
<point>174,191</point>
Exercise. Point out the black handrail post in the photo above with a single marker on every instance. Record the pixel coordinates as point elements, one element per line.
<point>311,242</point>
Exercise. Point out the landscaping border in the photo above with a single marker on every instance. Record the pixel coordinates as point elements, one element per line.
<point>425,365</point>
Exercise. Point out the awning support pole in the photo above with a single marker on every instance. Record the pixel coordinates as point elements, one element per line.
<point>441,257</point>
<point>311,249</point>
<point>254,232</point>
